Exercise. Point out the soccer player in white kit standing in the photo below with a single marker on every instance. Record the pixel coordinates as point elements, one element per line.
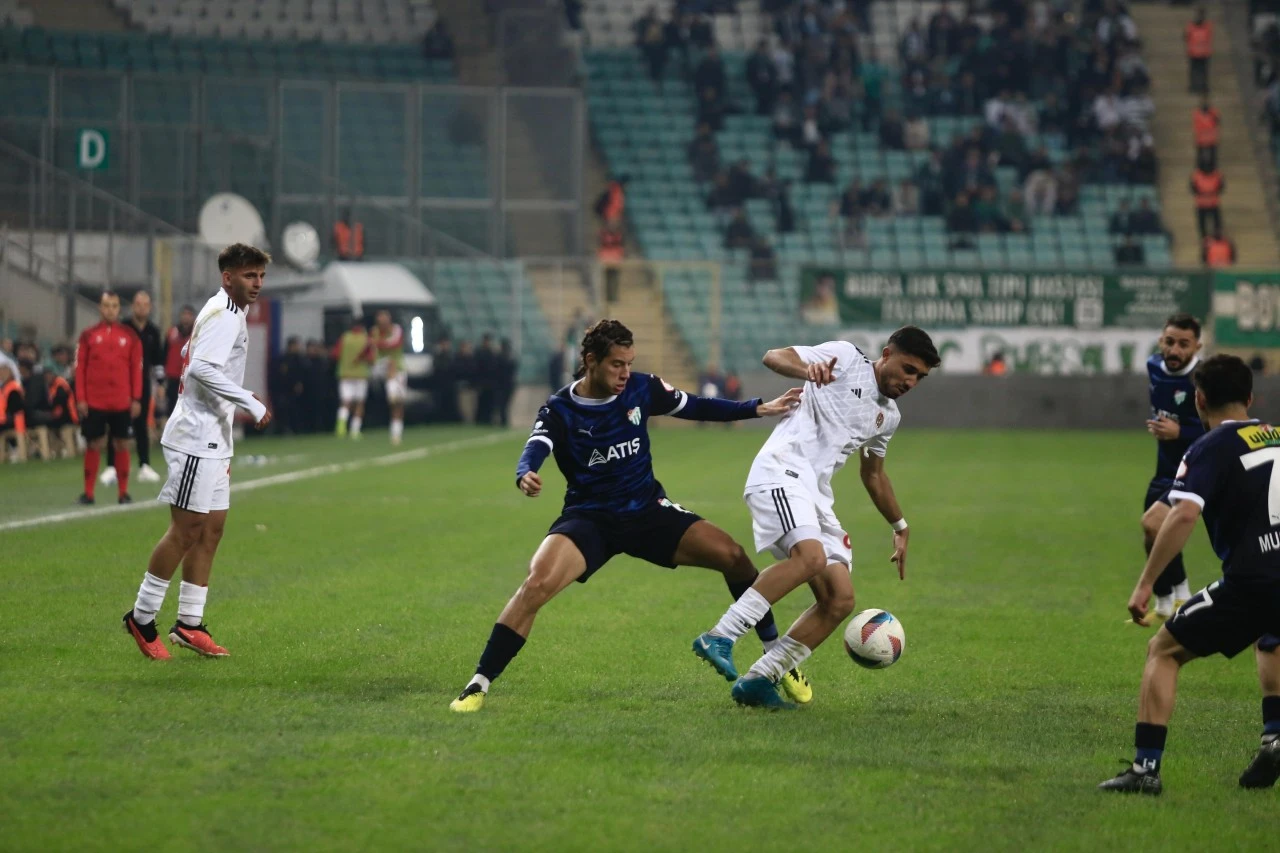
<point>848,406</point>
<point>198,448</point>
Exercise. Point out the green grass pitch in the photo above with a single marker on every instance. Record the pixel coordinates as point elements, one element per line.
<point>356,603</point>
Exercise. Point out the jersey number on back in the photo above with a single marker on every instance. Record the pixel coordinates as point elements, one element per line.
<point>1267,455</point>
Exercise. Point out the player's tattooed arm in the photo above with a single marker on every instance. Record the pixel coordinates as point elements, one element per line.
<point>878,486</point>
<point>787,362</point>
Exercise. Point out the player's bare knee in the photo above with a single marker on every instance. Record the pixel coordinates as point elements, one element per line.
<point>736,563</point>
<point>811,556</point>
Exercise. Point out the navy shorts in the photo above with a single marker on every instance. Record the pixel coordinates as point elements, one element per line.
<point>653,534</point>
<point>1157,492</point>
<point>1229,616</point>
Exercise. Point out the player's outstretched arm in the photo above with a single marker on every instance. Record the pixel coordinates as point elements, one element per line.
<point>878,486</point>
<point>787,362</point>
<point>211,377</point>
<point>1170,541</point>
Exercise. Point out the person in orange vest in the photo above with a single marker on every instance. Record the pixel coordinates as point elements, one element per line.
<point>609,252</point>
<point>1204,124</point>
<point>1218,251</point>
<point>1199,39</point>
<point>612,203</point>
<point>1207,185</point>
<point>12,407</point>
<point>62,402</point>
<point>348,238</point>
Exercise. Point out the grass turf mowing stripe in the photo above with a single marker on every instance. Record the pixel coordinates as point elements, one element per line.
<point>275,479</point>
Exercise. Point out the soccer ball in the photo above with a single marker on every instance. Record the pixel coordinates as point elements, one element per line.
<point>874,639</point>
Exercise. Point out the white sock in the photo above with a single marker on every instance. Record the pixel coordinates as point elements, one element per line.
<point>1181,592</point>
<point>191,600</point>
<point>355,425</point>
<point>742,616</point>
<point>343,411</point>
<point>481,680</point>
<point>397,429</point>
<point>150,598</point>
<point>787,655</point>
<point>769,645</point>
<point>1164,605</point>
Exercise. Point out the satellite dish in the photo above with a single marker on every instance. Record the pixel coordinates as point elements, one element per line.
<point>228,218</point>
<point>301,245</point>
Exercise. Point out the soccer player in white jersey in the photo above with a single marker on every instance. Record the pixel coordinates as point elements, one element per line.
<point>848,407</point>
<point>197,449</point>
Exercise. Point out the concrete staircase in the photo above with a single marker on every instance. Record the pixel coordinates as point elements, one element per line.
<point>659,347</point>
<point>475,61</point>
<point>1245,212</point>
<point>77,15</point>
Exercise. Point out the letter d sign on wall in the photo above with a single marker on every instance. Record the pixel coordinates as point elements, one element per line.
<point>91,152</point>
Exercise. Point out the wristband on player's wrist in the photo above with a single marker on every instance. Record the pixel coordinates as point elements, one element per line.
<point>899,525</point>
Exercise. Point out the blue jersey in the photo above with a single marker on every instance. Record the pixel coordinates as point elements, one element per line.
<point>602,446</point>
<point>1173,396</point>
<point>1232,473</point>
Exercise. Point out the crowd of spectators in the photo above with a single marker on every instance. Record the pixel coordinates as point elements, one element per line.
<point>1028,69</point>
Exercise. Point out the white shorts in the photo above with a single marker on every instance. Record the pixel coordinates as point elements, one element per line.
<point>352,390</point>
<point>196,483</point>
<point>398,387</point>
<point>785,514</point>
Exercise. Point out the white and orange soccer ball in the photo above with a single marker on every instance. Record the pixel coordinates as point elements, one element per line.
<point>874,639</point>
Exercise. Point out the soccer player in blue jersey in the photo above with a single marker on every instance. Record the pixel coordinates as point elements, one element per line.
<point>1175,425</point>
<point>1231,475</point>
<point>597,429</point>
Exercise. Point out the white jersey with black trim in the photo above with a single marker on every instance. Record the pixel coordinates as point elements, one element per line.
<point>201,421</point>
<point>813,442</point>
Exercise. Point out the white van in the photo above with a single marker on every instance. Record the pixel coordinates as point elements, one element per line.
<point>349,290</point>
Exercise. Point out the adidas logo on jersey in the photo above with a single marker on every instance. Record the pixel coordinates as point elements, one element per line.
<point>618,451</point>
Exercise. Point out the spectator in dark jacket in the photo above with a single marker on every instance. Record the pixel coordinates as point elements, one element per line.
<point>961,219</point>
<point>1130,253</point>
<point>821,168</point>
<point>740,234</point>
<point>704,154</point>
<point>762,77</point>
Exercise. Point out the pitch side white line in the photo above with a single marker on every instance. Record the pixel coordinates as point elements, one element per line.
<point>275,479</point>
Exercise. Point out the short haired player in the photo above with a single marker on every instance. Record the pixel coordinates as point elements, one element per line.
<point>198,447</point>
<point>1174,424</point>
<point>1231,476</point>
<point>848,408</point>
<point>598,430</point>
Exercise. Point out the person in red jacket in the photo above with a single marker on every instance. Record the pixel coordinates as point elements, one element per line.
<point>108,392</point>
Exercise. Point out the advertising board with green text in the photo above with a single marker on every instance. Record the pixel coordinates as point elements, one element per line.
<point>1041,322</point>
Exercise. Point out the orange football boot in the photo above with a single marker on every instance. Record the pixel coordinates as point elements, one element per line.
<point>197,639</point>
<point>147,638</point>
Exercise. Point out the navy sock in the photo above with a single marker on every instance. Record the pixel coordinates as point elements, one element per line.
<point>504,644</point>
<point>766,628</point>
<point>1149,740</point>
<point>1270,716</point>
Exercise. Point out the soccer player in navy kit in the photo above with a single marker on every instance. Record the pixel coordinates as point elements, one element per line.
<point>1231,475</point>
<point>1175,424</point>
<point>597,429</point>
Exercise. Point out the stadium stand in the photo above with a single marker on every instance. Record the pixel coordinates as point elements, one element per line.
<point>365,22</point>
<point>643,115</point>
<point>181,54</point>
